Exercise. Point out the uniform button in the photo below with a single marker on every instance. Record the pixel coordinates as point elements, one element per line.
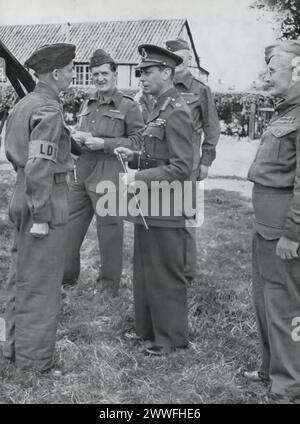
<point>150,135</point>
<point>188,102</point>
<point>97,110</point>
<point>93,121</point>
<point>173,100</point>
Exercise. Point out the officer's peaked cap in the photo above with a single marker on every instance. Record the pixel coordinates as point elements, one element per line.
<point>100,57</point>
<point>178,44</point>
<point>51,56</point>
<point>157,56</point>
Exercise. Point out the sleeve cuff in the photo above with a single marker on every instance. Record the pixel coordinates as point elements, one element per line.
<point>41,215</point>
<point>208,156</point>
<point>292,232</point>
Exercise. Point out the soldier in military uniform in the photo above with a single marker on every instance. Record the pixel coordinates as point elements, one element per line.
<point>276,201</point>
<point>37,143</point>
<point>159,282</point>
<point>205,120</point>
<point>110,117</point>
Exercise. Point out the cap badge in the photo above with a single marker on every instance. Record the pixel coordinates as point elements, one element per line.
<point>144,54</point>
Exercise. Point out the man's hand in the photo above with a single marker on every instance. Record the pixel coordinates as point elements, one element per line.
<point>125,153</point>
<point>286,248</point>
<point>203,172</point>
<point>94,143</point>
<point>80,136</point>
<point>39,230</point>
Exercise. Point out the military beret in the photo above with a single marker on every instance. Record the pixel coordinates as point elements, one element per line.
<point>51,56</point>
<point>287,46</point>
<point>156,56</point>
<point>100,57</point>
<point>178,44</point>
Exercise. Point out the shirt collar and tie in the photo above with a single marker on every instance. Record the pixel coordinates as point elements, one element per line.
<point>287,104</point>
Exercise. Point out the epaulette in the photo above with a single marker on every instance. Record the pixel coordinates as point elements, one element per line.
<point>176,102</point>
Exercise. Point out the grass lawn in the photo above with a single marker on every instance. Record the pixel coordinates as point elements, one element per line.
<point>99,365</point>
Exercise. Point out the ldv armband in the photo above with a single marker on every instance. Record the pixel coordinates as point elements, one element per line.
<point>43,150</point>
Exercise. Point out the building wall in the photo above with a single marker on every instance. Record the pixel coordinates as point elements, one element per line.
<point>126,76</point>
<point>193,64</point>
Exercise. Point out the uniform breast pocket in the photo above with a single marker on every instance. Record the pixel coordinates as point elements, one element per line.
<point>276,142</point>
<point>113,124</point>
<point>83,120</point>
<point>155,143</point>
<point>190,99</point>
<point>269,147</point>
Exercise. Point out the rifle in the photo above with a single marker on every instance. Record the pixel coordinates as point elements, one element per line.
<point>19,77</point>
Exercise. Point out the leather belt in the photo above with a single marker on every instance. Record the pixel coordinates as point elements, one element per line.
<point>146,163</point>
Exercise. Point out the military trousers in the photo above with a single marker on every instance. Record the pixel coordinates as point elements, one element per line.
<point>82,207</point>
<point>159,285</point>
<point>191,231</point>
<point>191,254</point>
<point>34,284</point>
<point>276,299</point>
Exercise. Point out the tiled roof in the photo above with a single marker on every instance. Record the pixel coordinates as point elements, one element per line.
<point>119,38</point>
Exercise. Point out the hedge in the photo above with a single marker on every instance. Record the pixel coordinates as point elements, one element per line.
<point>233,108</point>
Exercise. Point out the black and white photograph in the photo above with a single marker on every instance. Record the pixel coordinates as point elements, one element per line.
<point>150,205</point>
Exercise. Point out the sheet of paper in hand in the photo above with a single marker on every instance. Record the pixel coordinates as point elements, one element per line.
<point>2,330</point>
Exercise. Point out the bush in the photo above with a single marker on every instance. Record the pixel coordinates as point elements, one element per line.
<point>8,98</point>
<point>234,111</point>
<point>233,108</point>
<point>72,100</point>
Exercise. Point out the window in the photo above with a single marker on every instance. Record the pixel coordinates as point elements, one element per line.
<point>2,70</point>
<point>83,76</point>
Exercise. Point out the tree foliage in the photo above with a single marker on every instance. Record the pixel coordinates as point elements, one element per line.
<point>287,15</point>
